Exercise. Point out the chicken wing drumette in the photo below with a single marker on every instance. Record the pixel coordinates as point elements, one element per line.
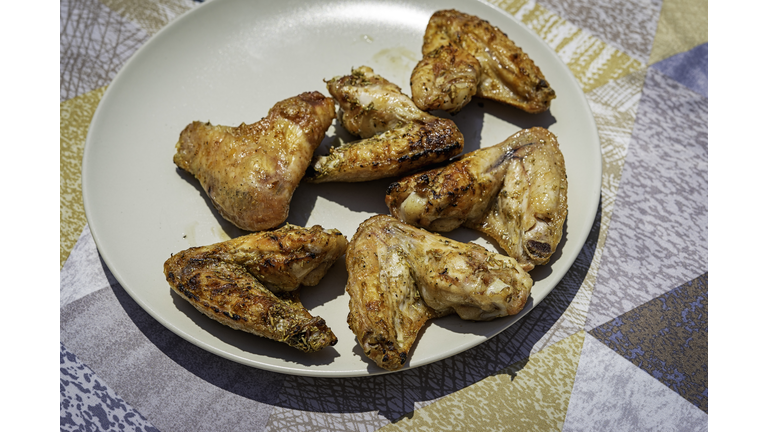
<point>251,171</point>
<point>249,283</point>
<point>397,137</point>
<point>466,56</point>
<point>401,276</point>
<point>515,191</point>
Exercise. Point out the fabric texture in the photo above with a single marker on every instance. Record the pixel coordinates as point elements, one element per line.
<point>620,344</point>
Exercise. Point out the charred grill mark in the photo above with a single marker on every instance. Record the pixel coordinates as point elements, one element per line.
<point>393,187</point>
<point>511,154</point>
<point>539,249</point>
<point>522,149</point>
<point>232,315</point>
<point>194,282</point>
<point>508,155</point>
<point>436,153</point>
<point>183,289</point>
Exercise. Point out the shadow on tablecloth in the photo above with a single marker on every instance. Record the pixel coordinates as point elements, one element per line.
<point>392,395</point>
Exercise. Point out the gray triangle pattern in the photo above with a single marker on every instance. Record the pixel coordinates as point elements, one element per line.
<point>658,236</point>
<point>373,402</point>
<point>87,403</point>
<point>83,272</point>
<point>116,338</point>
<point>629,25</point>
<point>95,42</point>
<point>636,265</point>
<point>604,379</point>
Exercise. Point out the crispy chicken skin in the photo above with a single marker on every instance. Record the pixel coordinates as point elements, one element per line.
<point>515,191</point>
<point>249,283</point>
<point>251,171</point>
<point>397,137</point>
<point>401,276</point>
<point>464,56</point>
<point>445,79</point>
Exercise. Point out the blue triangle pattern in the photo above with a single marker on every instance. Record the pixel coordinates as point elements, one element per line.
<point>668,338</point>
<point>87,403</point>
<point>690,68</point>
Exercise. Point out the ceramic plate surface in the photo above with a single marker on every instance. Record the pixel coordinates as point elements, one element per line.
<point>229,62</point>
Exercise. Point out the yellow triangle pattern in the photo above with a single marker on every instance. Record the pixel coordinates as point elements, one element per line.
<point>592,61</point>
<point>532,394</point>
<point>682,25</point>
<point>75,119</point>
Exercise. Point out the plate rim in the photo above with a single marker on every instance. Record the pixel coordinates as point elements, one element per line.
<point>88,204</point>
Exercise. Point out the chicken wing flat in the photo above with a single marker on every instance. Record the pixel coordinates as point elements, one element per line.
<point>251,171</point>
<point>249,283</point>
<point>401,276</point>
<point>464,56</point>
<point>515,191</point>
<point>397,137</point>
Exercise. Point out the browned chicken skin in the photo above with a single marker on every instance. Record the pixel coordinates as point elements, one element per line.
<point>466,56</point>
<point>401,276</point>
<point>249,283</point>
<point>251,171</point>
<point>515,191</point>
<point>397,137</point>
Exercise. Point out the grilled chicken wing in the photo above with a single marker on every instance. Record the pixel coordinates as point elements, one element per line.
<point>446,79</point>
<point>251,171</point>
<point>401,276</point>
<point>515,191</point>
<point>464,56</point>
<point>249,283</point>
<point>397,137</point>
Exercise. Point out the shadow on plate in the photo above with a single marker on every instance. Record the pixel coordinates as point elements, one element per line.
<point>397,395</point>
<point>368,197</point>
<point>471,118</point>
<point>228,227</point>
<point>392,395</point>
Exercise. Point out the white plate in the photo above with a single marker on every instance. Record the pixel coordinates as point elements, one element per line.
<point>228,62</point>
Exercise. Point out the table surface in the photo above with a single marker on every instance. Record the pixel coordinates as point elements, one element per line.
<point>620,344</point>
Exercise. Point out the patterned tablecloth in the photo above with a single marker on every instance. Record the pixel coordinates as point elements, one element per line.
<point>620,344</point>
